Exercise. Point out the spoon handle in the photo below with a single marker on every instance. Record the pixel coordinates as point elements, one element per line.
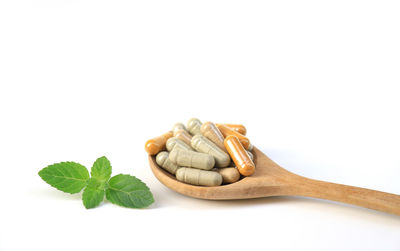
<point>381,201</point>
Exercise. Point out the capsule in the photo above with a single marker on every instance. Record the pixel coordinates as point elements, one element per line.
<point>198,177</point>
<point>239,155</point>
<point>210,131</point>
<point>163,161</point>
<point>228,131</point>
<point>175,142</point>
<point>192,159</point>
<point>193,126</point>
<point>204,145</point>
<point>184,136</point>
<point>251,155</point>
<point>178,126</point>
<point>229,174</point>
<point>157,144</point>
<point>236,127</point>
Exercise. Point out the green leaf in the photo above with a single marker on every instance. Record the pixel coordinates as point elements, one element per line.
<point>69,177</point>
<point>101,169</point>
<point>128,191</point>
<point>93,194</point>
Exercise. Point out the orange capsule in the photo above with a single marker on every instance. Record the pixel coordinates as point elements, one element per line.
<point>239,155</point>
<point>157,144</point>
<point>226,131</point>
<point>184,136</point>
<point>236,127</point>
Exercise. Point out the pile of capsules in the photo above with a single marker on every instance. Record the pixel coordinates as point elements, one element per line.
<point>200,153</point>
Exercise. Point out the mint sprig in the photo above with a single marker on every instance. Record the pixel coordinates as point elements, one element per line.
<point>124,190</point>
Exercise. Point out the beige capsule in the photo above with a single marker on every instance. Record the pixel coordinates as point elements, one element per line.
<point>229,174</point>
<point>183,135</point>
<point>178,126</point>
<point>198,177</point>
<point>175,142</point>
<point>192,159</point>
<point>163,161</point>
<point>193,126</point>
<point>211,132</point>
<point>204,145</point>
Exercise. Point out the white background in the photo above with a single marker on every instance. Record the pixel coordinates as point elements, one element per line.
<point>315,82</point>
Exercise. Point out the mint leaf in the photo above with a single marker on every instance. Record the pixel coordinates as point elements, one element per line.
<point>128,191</point>
<point>101,169</point>
<point>93,194</point>
<point>92,197</point>
<point>69,177</point>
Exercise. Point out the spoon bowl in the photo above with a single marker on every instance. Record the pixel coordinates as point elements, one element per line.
<point>270,179</point>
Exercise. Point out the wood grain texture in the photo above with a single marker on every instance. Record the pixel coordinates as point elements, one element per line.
<point>270,179</point>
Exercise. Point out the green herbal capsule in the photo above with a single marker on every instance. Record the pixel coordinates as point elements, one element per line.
<point>163,161</point>
<point>178,126</point>
<point>194,126</point>
<point>198,177</point>
<point>175,142</point>
<point>204,145</point>
<point>192,159</point>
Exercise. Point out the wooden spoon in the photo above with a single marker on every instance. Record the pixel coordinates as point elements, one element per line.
<point>272,180</point>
